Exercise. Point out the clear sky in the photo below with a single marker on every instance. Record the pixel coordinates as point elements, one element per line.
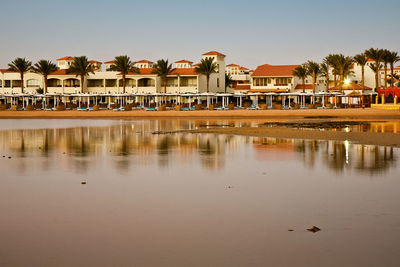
<point>249,32</point>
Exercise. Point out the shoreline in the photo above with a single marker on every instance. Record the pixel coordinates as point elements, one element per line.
<point>215,114</point>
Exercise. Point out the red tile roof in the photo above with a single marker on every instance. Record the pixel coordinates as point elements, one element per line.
<point>274,70</point>
<point>94,61</point>
<point>144,61</point>
<point>213,53</point>
<point>186,71</point>
<point>7,71</point>
<point>61,72</point>
<point>183,61</point>
<point>109,62</point>
<point>232,65</point>
<point>66,58</point>
<point>305,87</point>
<point>243,68</point>
<point>242,87</point>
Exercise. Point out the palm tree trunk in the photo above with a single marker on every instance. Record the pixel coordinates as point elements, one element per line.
<point>327,82</point>
<point>335,78</point>
<point>391,74</point>
<point>45,84</point>
<point>304,85</point>
<point>313,80</point>
<point>363,87</point>
<point>123,83</point>
<point>376,74</point>
<point>22,82</point>
<point>208,81</point>
<point>385,75</point>
<point>82,81</point>
<point>165,85</point>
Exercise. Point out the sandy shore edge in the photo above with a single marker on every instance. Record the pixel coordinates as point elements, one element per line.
<point>338,113</point>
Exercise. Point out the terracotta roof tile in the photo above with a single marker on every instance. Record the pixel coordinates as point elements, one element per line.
<point>185,71</point>
<point>144,61</point>
<point>7,71</point>
<point>61,72</point>
<point>94,61</point>
<point>232,65</point>
<point>274,70</point>
<point>109,62</point>
<point>66,58</point>
<point>213,53</point>
<point>183,61</point>
<point>243,87</point>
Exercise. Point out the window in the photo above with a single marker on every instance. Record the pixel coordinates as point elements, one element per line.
<point>188,81</point>
<point>7,83</point>
<point>95,83</point>
<point>111,82</point>
<point>218,82</point>
<point>172,82</point>
<point>32,83</point>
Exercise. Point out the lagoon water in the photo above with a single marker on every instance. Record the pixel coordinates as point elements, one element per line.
<point>192,199</point>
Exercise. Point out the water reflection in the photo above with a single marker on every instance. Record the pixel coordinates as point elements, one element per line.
<point>130,143</point>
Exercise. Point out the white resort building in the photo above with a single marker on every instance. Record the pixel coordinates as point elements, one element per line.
<point>184,79</point>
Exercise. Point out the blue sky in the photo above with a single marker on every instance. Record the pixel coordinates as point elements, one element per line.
<point>250,33</point>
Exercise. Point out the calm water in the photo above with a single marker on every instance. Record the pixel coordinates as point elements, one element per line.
<point>192,200</point>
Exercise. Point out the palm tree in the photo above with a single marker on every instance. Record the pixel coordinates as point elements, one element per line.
<point>392,58</point>
<point>385,60</point>
<point>325,72</point>
<point>81,67</point>
<point>314,70</point>
<point>301,73</point>
<point>44,67</point>
<point>376,55</point>
<point>361,60</point>
<point>162,68</point>
<point>331,60</point>
<point>124,65</point>
<point>344,65</point>
<point>20,65</point>
<point>206,67</point>
<point>228,81</point>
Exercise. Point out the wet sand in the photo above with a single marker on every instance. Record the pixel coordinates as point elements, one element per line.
<point>339,113</point>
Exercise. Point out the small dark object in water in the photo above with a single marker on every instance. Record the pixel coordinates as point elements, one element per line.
<point>63,152</point>
<point>83,182</point>
<point>230,186</point>
<point>290,230</point>
<point>4,156</point>
<point>314,229</point>
<point>9,157</point>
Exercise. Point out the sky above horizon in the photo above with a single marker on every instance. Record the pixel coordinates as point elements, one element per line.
<point>250,33</point>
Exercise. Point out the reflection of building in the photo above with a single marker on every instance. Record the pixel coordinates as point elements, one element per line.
<point>132,141</point>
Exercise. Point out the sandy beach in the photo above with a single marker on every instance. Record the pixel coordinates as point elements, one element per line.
<point>279,114</point>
